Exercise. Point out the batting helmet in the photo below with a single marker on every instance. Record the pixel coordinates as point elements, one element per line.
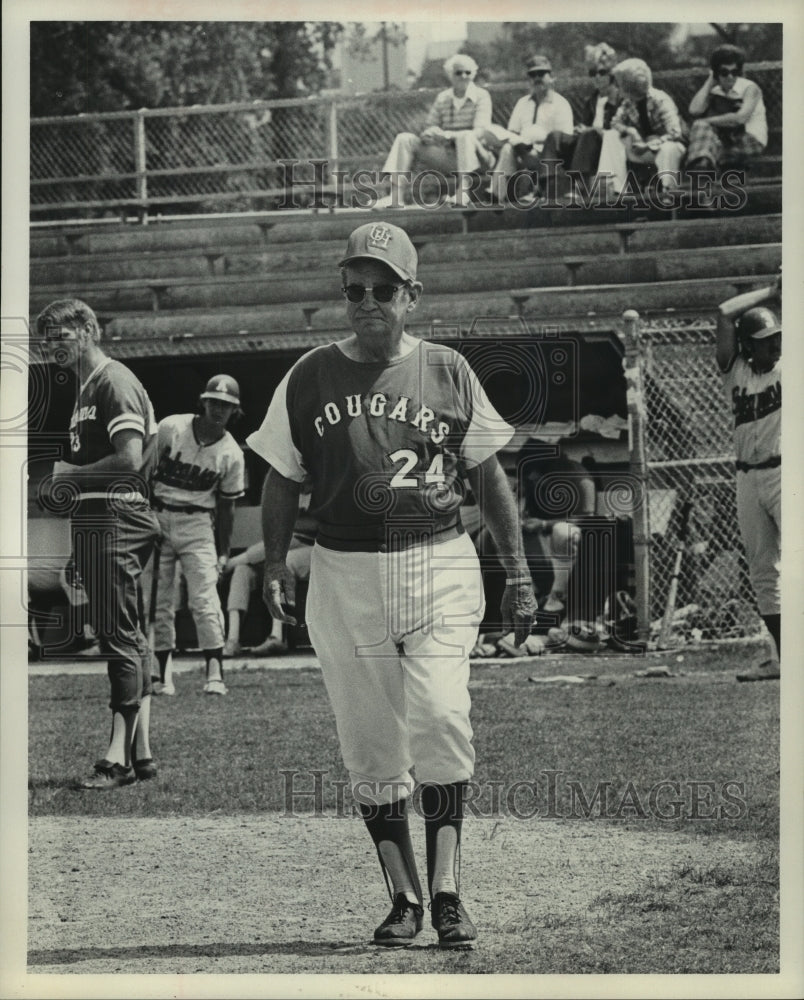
<point>757,323</point>
<point>222,387</point>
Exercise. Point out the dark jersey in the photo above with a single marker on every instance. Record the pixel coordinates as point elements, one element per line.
<point>112,399</point>
<point>380,442</point>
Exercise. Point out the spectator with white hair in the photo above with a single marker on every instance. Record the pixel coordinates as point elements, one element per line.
<point>646,128</point>
<point>452,138</point>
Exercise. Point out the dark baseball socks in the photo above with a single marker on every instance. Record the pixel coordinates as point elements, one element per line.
<point>214,658</point>
<point>442,806</point>
<point>774,625</point>
<point>388,826</point>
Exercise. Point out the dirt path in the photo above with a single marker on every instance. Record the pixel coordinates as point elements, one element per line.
<point>269,895</point>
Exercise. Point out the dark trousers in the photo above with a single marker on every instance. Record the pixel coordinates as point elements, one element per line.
<point>110,549</point>
<point>578,152</point>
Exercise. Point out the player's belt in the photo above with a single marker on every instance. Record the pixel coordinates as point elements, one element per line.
<point>186,509</point>
<point>113,496</point>
<point>769,463</point>
<point>391,538</point>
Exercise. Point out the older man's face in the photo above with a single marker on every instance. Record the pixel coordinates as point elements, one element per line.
<point>462,74</point>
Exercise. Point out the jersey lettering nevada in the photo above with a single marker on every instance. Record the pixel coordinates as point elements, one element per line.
<point>379,441</point>
<point>756,405</point>
<point>195,474</point>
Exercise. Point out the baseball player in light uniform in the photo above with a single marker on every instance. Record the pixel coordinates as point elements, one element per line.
<point>114,530</point>
<point>387,428</point>
<point>749,351</point>
<point>199,474</point>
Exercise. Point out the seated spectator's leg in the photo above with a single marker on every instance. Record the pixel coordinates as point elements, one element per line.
<point>612,165</point>
<point>503,169</point>
<point>704,148</point>
<point>437,159</point>
<point>244,580</point>
<point>668,161</point>
<point>563,548</point>
<point>556,155</point>
<point>399,161</point>
<point>586,154</point>
<point>740,151</point>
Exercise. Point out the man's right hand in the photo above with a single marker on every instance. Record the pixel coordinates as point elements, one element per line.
<point>279,591</point>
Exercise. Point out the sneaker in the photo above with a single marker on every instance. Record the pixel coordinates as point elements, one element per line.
<point>232,648</point>
<point>145,769</point>
<point>270,647</point>
<point>401,925</point>
<point>450,919</point>
<point>215,687</point>
<point>108,775</point>
<point>766,671</point>
<point>166,689</point>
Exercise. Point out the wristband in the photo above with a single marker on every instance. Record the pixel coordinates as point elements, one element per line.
<point>518,581</point>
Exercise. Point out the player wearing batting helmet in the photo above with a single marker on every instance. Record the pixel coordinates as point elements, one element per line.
<point>199,475</point>
<point>114,530</point>
<point>749,350</point>
<point>387,428</point>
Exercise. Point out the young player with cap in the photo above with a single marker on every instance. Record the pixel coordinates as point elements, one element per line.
<point>388,428</point>
<point>749,352</point>
<point>199,474</point>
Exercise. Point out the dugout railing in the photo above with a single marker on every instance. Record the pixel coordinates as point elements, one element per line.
<point>267,154</point>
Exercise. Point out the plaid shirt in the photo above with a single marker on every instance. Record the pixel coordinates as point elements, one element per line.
<point>662,112</point>
<point>475,112</point>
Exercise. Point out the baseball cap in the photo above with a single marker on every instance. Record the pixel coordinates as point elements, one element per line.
<point>540,63</point>
<point>758,323</point>
<point>222,387</point>
<point>386,243</point>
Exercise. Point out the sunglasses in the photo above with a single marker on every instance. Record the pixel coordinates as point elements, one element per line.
<point>462,72</point>
<point>537,74</point>
<point>599,72</point>
<point>727,71</point>
<point>380,293</point>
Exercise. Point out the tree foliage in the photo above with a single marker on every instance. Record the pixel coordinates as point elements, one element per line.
<point>114,66</point>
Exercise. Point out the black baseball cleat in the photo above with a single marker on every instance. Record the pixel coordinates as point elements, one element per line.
<point>401,925</point>
<point>107,776</point>
<point>145,769</point>
<point>450,919</point>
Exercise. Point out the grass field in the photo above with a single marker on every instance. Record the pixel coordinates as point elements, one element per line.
<point>624,824</point>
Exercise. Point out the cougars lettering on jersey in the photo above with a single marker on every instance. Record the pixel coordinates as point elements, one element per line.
<point>380,442</point>
<point>189,473</point>
<point>111,399</point>
<point>756,405</point>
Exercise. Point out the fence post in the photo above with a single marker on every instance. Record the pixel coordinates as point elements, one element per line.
<point>332,139</point>
<point>140,165</point>
<point>632,365</point>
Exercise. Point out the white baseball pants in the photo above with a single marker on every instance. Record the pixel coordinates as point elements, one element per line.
<point>759,514</point>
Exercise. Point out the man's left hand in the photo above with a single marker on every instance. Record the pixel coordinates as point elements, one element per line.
<point>519,609</point>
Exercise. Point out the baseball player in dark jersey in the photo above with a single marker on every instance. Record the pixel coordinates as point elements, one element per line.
<point>198,476</point>
<point>112,447</point>
<point>388,429</point>
<point>749,353</point>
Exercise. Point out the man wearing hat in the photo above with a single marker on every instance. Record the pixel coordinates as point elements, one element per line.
<point>389,429</point>
<point>199,474</point>
<point>748,353</point>
<point>534,117</point>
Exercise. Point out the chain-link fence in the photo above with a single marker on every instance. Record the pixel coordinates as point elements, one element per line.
<point>263,155</point>
<point>689,458</point>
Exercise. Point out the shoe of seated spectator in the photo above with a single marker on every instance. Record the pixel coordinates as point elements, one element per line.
<point>554,601</point>
<point>231,648</point>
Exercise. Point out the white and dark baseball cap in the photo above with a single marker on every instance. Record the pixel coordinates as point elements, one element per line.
<point>758,323</point>
<point>222,387</point>
<point>386,243</point>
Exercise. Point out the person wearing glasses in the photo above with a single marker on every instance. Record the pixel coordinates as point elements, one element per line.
<point>579,150</point>
<point>731,125</point>
<point>388,428</point>
<point>534,117</point>
<point>105,482</point>
<point>452,138</point>
<point>646,128</point>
